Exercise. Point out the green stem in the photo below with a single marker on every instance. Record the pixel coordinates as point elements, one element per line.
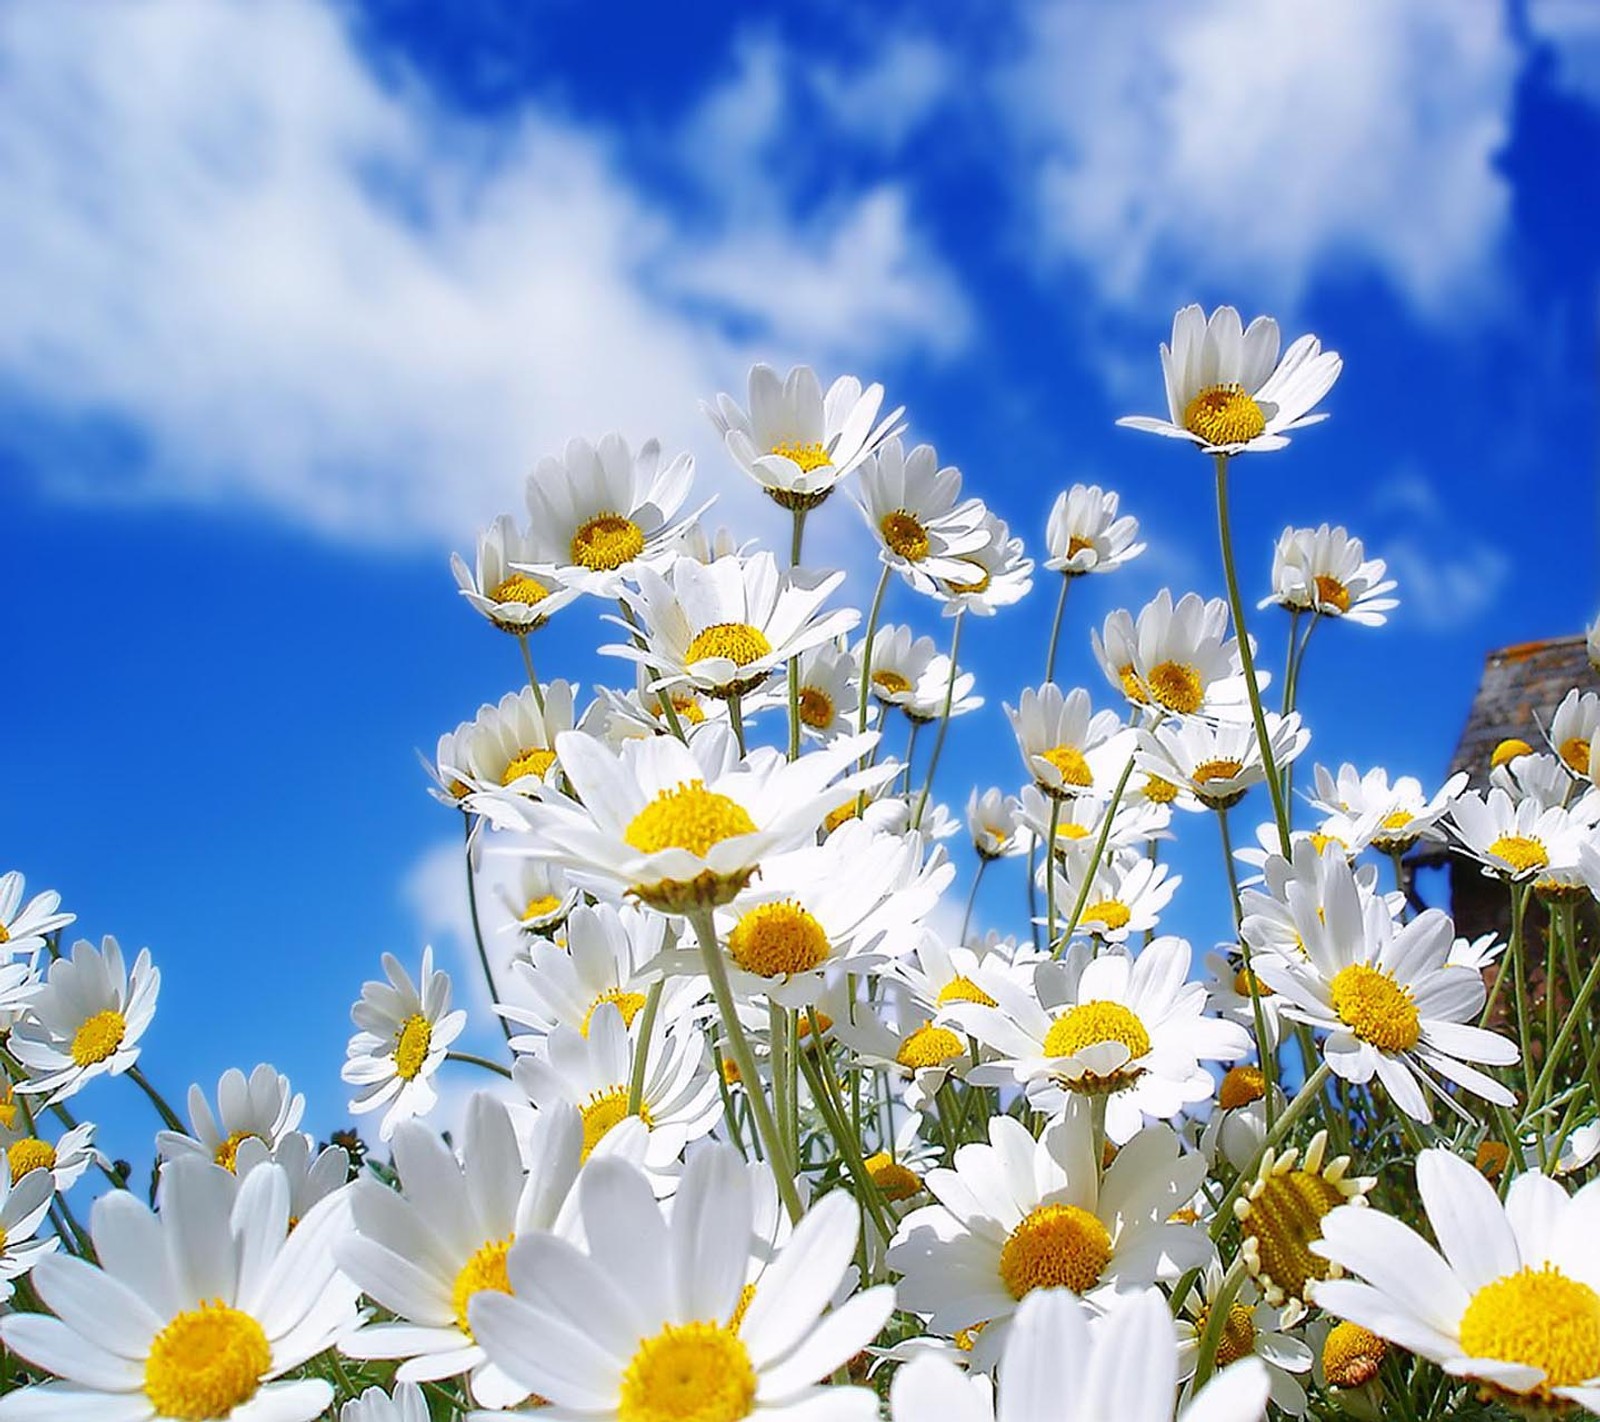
<point>477,927</point>
<point>641,1050</point>
<point>1556,1050</point>
<point>1094,861</point>
<point>527,661</point>
<point>866,650</point>
<point>1050,873</point>
<point>796,538</point>
<point>972,898</point>
<point>944,720</point>
<point>736,718</point>
<point>473,1059</point>
<point>1264,1051</point>
<point>167,1114</point>
<point>1055,630</point>
<point>1288,662</point>
<point>829,1102</point>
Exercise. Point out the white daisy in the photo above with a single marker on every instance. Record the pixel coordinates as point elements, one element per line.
<point>25,926</point>
<point>997,574</point>
<point>1084,534</point>
<point>539,899</point>
<point>724,627</point>
<point>797,443</point>
<point>910,504</point>
<point>1402,812</point>
<point>512,744</point>
<point>1325,571</point>
<point>1253,1328</point>
<point>1510,1297</point>
<point>896,1033</point>
<point>87,1019</point>
<point>406,1029</point>
<point>375,1405</point>
<point>643,1324</point>
<point>513,600</point>
<point>1079,821</point>
<point>1227,390</point>
<point>1017,1215</point>
<point>940,682</point>
<point>1574,728</point>
<point>694,542</point>
<point>66,1158</point>
<point>1069,748</point>
<point>1390,1001</point>
<point>1126,895</point>
<point>829,692</point>
<point>24,1203</point>
<point>1176,657</point>
<point>313,1175</point>
<point>1217,762</point>
<point>601,514</point>
<point>618,716</point>
<point>197,1311</point>
<point>1514,840</point>
<point>263,1108</point>
<point>992,823</point>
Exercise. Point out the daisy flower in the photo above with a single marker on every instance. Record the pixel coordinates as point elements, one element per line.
<point>600,514</point>
<point>645,1322</point>
<point>511,745</point>
<point>1237,1130</point>
<point>448,768</point>
<point>1227,389</point>
<point>87,1019</point>
<point>1228,986</point>
<point>940,975</point>
<point>1402,812</point>
<point>1389,1000</point>
<point>992,823</point>
<point>24,1203</point>
<point>910,504</point>
<point>262,1107</point>
<point>1068,748</point>
<point>900,661</point>
<point>375,1405</point>
<point>796,442</point>
<point>724,627</point>
<point>1062,1363</point>
<point>938,683</point>
<point>829,693</point>
<point>1079,821</point>
<point>1131,1030</point>
<point>539,899</point>
<point>198,1311</point>
<point>66,1158</point>
<point>1509,1298</point>
<point>1084,534</point>
<point>1017,1215</point>
<point>512,600</point>
<point>406,1029</point>
<point>313,1175</point>
<point>1253,1328</point>
<point>685,827</point>
<point>1217,762</point>
<point>997,574</point>
<point>25,926</point>
<point>1126,896</point>
<point>897,1034</point>
<point>1513,840</point>
<point>1574,728</point>
<point>1325,571</point>
<point>1176,657</point>
<point>425,1250</point>
<point>593,1072</point>
<point>616,716</point>
<point>694,542</point>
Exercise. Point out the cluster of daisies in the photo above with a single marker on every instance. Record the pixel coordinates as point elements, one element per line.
<point>775,1131</point>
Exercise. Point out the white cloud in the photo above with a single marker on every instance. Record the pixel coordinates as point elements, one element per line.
<point>323,292</point>
<point>885,101</point>
<point>1572,30</point>
<point>434,892</point>
<point>1439,590</point>
<point>1259,143</point>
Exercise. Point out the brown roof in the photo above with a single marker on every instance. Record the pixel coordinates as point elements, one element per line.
<point>1521,688</point>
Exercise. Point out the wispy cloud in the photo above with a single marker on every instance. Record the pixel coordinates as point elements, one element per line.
<point>1448,577</point>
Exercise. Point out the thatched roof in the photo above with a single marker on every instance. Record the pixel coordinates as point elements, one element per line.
<point>1521,688</point>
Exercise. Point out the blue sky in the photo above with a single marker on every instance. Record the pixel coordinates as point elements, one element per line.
<point>293,295</point>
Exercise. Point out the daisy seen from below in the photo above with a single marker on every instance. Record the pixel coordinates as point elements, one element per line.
<point>1065,1363</point>
<point>263,1107</point>
<point>1068,747</point>
<point>1217,762</point>
<point>1016,1215</point>
<point>498,587</point>
<point>645,1322</point>
<point>1403,813</point>
<point>196,1312</point>
<point>1326,571</point>
<point>1253,1328</point>
<point>796,442</point>
<point>1574,728</point>
<point>683,828</point>
<point>1227,389</point>
<point>829,692</point>
<point>511,745</point>
<point>997,574</point>
<point>25,924</point>
<point>86,1020</point>
<point>1127,893</point>
<point>911,505</point>
<point>405,1032</point>
<point>1176,657</point>
<point>313,1175</point>
<point>66,1158</point>
<point>600,513</point>
<point>722,628</point>
<point>1388,999</point>
<point>1509,1299</point>
<point>992,821</point>
<point>537,900</point>
<point>24,1203</point>
<point>1084,534</point>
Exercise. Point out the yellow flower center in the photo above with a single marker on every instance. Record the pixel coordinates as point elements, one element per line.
<point>30,1153</point>
<point>963,989</point>
<point>602,1111</point>
<point>411,1044</point>
<point>1574,753</point>
<point>1284,1219</point>
<point>1133,685</point>
<point>928,1046</point>
<point>966,1337</point>
<point>816,708</point>
<point>739,642</point>
<point>1539,1318</point>
<point>978,585</point>
<point>1508,749</point>
<point>1351,1354</point>
<point>1112,913</point>
<point>1521,852</point>
<point>807,456</point>
<point>823,1021</point>
<point>484,1271</point>
<point>206,1362</point>
<point>839,814</point>
<point>775,940</point>
<point>1238,1338</point>
<point>905,535</point>
<point>519,587</point>
<point>1159,791</point>
<point>689,1372</point>
<point>98,1037</point>
<point>1069,762</point>
<point>535,760</point>
<point>540,906</point>
<point>687,817</point>
<point>1055,1247</point>
<point>5,934</point>
<point>1224,414</point>
<point>1331,593</point>
<point>627,1003</point>
<point>1320,841</point>
<point>891,682</point>
<point>894,1180</point>
<point>227,1153</point>
<point>1070,829</point>
<point>686,704</point>
<point>1375,1007</point>
<point>1244,979</point>
<point>1090,1023</point>
<point>1209,770</point>
<point>607,541</point>
<point>1176,685</point>
<point>1397,819</point>
<point>8,1109</point>
<point>1078,544</point>
<point>1240,1086</point>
